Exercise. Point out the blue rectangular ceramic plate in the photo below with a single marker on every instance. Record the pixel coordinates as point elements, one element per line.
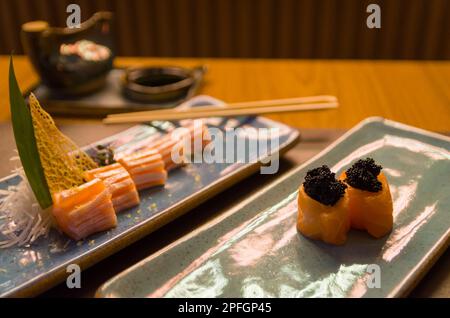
<point>29,270</point>
<point>254,250</point>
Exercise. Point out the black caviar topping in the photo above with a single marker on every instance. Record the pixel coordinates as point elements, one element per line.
<point>321,185</point>
<point>363,175</point>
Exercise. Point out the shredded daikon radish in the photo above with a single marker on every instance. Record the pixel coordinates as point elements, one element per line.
<point>23,220</point>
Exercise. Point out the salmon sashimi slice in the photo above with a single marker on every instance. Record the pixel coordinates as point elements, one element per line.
<point>146,168</point>
<point>69,198</point>
<point>119,183</point>
<point>166,150</point>
<point>151,179</point>
<point>371,211</point>
<point>84,210</point>
<point>122,202</point>
<point>181,142</point>
<point>322,222</point>
<point>198,134</point>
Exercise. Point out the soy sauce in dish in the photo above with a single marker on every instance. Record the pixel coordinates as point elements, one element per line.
<point>155,80</point>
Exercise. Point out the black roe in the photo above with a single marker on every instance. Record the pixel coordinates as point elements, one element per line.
<point>363,175</point>
<point>321,185</point>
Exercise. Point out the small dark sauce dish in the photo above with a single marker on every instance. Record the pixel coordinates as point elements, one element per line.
<point>160,84</point>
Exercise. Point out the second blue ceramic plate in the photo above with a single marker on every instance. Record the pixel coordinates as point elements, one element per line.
<point>254,250</point>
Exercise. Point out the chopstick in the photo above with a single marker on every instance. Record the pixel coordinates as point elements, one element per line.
<point>235,109</point>
<point>221,112</point>
<point>257,104</point>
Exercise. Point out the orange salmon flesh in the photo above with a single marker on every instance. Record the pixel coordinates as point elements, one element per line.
<point>119,183</point>
<point>84,210</point>
<point>322,222</point>
<point>146,168</point>
<point>371,211</point>
<point>358,209</point>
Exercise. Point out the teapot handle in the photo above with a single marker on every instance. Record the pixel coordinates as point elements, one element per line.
<point>37,34</point>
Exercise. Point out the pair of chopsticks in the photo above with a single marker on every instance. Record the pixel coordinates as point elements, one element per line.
<point>229,110</point>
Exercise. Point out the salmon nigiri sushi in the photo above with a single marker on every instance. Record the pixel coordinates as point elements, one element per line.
<point>322,207</point>
<point>370,201</point>
<point>84,210</point>
<point>119,183</point>
<point>146,168</point>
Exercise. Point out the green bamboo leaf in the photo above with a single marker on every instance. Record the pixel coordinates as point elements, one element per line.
<point>26,141</point>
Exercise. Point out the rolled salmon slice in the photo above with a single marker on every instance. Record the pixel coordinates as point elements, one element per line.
<point>198,134</point>
<point>322,222</point>
<point>168,150</point>
<point>119,183</point>
<point>146,168</point>
<point>181,143</point>
<point>371,211</point>
<point>84,210</point>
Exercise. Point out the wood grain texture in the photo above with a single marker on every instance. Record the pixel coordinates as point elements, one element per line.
<point>415,93</point>
<point>410,29</point>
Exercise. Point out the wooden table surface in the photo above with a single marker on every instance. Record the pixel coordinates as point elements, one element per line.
<point>416,93</point>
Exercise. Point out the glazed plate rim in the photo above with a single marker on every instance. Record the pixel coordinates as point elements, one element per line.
<point>403,287</point>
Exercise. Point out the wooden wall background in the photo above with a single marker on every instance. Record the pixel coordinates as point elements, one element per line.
<point>411,29</point>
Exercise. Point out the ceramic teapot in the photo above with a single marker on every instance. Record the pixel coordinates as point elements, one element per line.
<point>71,61</point>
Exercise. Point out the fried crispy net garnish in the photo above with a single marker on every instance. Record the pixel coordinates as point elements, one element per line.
<point>62,160</point>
